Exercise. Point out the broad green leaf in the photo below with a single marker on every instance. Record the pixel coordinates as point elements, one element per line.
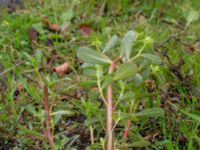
<point>127,43</point>
<point>111,43</point>
<point>90,56</point>
<point>67,16</point>
<point>125,71</point>
<point>138,80</point>
<point>153,59</point>
<point>151,112</point>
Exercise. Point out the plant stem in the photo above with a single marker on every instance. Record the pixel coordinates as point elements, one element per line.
<point>127,128</point>
<point>91,135</point>
<point>109,123</point>
<point>48,132</point>
<point>139,53</point>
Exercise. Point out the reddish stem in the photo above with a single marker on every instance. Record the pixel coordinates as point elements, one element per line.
<point>48,132</point>
<point>127,129</point>
<point>109,124</point>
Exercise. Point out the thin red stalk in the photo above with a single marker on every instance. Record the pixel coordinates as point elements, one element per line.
<point>127,129</point>
<point>117,59</point>
<point>48,132</point>
<point>109,123</point>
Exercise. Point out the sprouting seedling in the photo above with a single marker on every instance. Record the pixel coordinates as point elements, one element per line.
<point>130,67</point>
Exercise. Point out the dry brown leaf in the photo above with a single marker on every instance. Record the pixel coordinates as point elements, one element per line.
<point>62,69</point>
<point>85,29</point>
<point>51,26</point>
<point>33,35</point>
<point>54,27</point>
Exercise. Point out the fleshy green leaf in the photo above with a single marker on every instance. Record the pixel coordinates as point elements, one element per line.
<point>62,112</point>
<point>67,16</point>
<point>127,43</point>
<point>145,73</point>
<point>151,112</point>
<point>90,56</point>
<point>111,43</point>
<point>138,80</point>
<point>125,71</point>
<point>143,63</point>
<point>153,59</point>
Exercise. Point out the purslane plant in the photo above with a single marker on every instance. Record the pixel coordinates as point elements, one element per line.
<point>128,64</point>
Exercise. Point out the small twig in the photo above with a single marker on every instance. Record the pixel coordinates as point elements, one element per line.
<point>48,132</point>
<point>67,96</point>
<point>171,23</point>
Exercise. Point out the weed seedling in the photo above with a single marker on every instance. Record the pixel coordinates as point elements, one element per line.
<point>126,65</point>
